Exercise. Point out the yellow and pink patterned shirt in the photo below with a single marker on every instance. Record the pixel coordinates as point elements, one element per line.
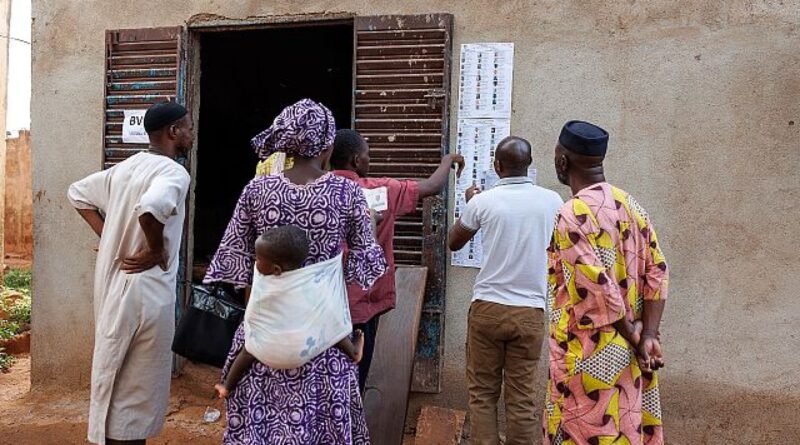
<point>605,261</point>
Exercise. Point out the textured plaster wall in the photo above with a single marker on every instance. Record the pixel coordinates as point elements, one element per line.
<point>702,100</point>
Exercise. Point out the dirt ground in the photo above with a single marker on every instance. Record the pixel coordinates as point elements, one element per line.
<point>58,419</point>
<point>698,414</point>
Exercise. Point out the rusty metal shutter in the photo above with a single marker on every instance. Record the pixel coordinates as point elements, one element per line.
<point>401,106</point>
<point>142,68</point>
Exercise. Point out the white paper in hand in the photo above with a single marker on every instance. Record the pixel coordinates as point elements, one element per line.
<point>377,198</point>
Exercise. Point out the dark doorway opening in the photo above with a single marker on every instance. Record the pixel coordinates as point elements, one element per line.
<point>246,78</point>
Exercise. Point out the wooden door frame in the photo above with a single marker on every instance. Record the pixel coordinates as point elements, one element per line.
<point>190,82</point>
<point>427,372</point>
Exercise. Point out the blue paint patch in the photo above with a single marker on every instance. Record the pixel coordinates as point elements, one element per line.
<point>137,86</point>
<point>430,328</point>
<point>152,72</point>
<point>117,100</point>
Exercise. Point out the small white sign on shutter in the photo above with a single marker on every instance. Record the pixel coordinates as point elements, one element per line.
<point>133,128</point>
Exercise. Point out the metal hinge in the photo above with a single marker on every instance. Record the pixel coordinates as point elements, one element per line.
<point>436,97</point>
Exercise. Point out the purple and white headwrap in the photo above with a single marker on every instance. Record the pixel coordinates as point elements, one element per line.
<point>304,129</point>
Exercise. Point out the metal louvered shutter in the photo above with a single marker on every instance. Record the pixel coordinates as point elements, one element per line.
<point>401,106</point>
<point>142,68</point>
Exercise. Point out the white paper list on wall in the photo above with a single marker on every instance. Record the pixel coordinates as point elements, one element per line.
<point>486,80</point>
<point>484,119</point>
<point>477,139</point>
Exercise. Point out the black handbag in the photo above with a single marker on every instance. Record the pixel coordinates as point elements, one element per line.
<point>206,328</point>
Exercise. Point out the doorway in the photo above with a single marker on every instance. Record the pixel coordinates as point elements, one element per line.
<point>236,75</point>
<point>246,78</point>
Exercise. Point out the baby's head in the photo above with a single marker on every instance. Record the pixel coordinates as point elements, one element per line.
<point>281,249</point>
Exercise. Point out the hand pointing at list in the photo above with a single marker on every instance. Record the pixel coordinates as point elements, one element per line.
<point>471,192</point>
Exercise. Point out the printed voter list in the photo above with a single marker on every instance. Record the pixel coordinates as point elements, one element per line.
<point>476,141</point>
<point>486,80</point>
<point>484,119</point>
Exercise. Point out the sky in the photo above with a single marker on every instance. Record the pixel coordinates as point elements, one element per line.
<point>19,68</point>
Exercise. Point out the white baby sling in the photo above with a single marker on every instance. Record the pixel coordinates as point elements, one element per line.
<point>294,317</point>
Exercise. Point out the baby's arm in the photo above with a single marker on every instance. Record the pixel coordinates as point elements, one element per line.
<point>241,364</point>
<point>353,348</point>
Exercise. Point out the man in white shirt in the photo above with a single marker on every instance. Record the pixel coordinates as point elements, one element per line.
<point>137,209</point>
<point>506,317</point>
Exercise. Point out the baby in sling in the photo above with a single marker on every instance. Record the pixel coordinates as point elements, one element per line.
<point>294,313</point>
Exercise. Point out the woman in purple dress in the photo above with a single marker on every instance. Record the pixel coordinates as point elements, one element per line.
<point>318,403</point>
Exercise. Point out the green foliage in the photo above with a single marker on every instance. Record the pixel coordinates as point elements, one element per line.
<point>16,284</point>
<point>8,329</point>
<point>18,279</point>
<point>5,361</point>
<point>15,300</point>
<point>20,310</point>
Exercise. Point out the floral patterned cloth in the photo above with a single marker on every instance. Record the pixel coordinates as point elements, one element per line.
<point>305,129</point>
<point>605,261</point>
<point>318,403</point>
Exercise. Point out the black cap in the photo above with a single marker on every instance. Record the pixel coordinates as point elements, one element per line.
<point>584,138</point>
<point>162,114</point>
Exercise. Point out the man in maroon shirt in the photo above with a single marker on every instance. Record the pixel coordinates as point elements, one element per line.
<point>350,159</point>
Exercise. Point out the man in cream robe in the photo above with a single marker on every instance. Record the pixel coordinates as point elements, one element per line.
<point>137,208</point>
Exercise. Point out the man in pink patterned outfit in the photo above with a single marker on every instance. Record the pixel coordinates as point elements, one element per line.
<point>608,283</point>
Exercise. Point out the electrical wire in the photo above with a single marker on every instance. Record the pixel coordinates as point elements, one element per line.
<point>15,39</point>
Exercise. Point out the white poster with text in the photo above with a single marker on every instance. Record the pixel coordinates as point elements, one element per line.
<point>133,128</point>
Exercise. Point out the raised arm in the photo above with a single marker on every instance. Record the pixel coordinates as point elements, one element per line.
<point>94,219</point>
<point>155,207</point>
<point>467,226</point>
<point>89,196</point>
<point>459,236</point>
<point>154,254</point>
<point>436,182</point>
